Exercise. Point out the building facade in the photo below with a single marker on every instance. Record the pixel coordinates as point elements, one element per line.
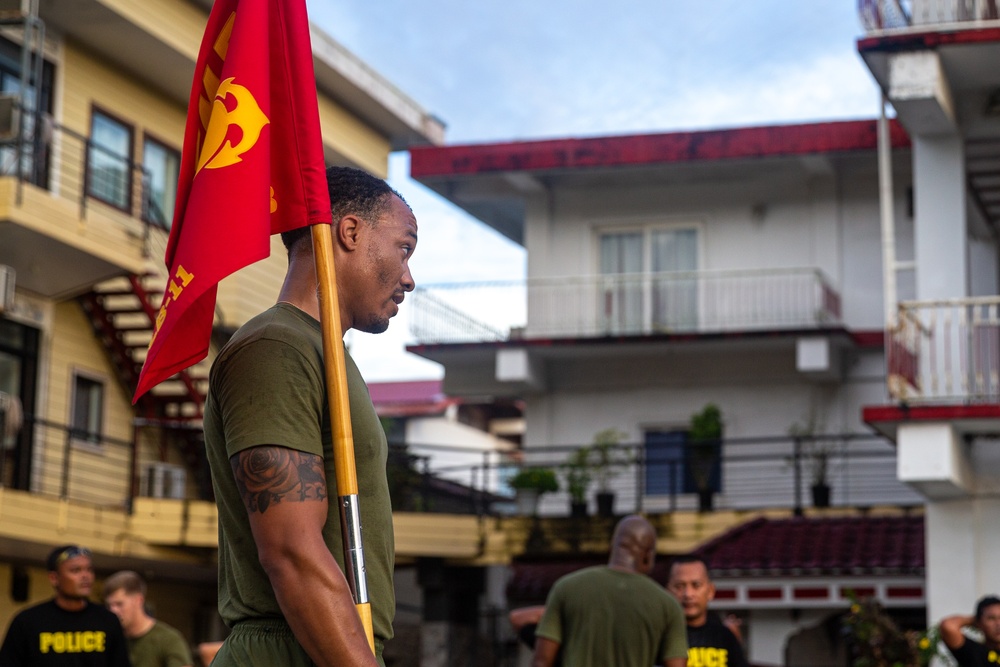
<point>746,269</point>
<point>93,101</point>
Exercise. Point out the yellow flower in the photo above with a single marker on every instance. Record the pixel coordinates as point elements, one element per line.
<point>855,608</point>
<point>924,642</point>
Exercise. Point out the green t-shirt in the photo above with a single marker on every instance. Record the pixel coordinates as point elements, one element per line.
<point>162,646</point>
<point>267,387</point>
<point>602,617</point>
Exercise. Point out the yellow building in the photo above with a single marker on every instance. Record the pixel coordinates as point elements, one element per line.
<point>89,156</point>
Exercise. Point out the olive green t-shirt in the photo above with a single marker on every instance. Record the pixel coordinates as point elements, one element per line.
<point>602,617</point>
<point>267,387</point>
<point>162,646</point>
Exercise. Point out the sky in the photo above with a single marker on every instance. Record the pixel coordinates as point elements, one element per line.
<point>498,71</point>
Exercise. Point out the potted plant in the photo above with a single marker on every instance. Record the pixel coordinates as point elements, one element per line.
<point>705,433</point>
<point>605,458</point>
<point>578,475</point>
<point>819,461</point>
<point>529,484</point>
<point>817,455</point>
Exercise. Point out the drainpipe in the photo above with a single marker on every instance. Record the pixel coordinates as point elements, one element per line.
<point>887,219</point>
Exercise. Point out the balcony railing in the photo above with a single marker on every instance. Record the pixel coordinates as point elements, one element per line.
<point>688,302</point>
<point>900,15</point>
<point>946,351</point>
<point>748,474</point>
<point>75,169</point>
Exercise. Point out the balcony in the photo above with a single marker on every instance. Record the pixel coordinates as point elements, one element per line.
<point>57,228</point>
<point>883,16</point>
<point>696,302</point>
<point>946,351</point>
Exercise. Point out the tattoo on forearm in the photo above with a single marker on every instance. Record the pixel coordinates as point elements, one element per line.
<point>269,475</point>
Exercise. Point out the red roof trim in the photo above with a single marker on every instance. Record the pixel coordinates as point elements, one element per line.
<point>869,339</point>
<point>881,414</point>
<point>928,40</point>
<point>648,149</point>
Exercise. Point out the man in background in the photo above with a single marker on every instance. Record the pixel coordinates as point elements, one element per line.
<point>69,629</point>
<point>710,641</point>
<point>968,652</point>
<point>614,615</point>
<point>151,643</point>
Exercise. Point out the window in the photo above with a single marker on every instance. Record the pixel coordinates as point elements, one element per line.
<point>88,409</point>
<point>161,168</point>
<point>109,174</point>
<point>35,155</point>
<point>648,282</point>
<point>671,468</point>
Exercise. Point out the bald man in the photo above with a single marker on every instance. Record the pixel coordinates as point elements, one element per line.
<point>614,615</point>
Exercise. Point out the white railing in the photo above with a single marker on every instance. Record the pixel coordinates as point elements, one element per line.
<point>893,15</point>
<point>681,302</point>
<point>946,351</point>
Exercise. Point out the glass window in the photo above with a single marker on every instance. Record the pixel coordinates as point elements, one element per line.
<point>88,408</point>
<point>109,176</point>
<point>673,468</point>
<point>35,153</point>
<point>161,167</point>
<point>648,282</point>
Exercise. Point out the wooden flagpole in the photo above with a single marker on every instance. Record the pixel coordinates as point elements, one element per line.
<point>340,421</point>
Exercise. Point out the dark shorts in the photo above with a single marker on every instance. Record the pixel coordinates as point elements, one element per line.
<point>266,643</point>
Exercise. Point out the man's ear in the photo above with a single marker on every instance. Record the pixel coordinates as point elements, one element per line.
<point>348,231</point>
<point>711,591</point>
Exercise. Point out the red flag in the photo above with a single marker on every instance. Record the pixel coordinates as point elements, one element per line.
<point>252,166</point>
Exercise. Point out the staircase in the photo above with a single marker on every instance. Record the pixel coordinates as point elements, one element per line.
<point>122,312</point>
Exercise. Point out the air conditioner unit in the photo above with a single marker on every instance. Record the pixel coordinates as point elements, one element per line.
<point>10,116</point>
<point>163,480</point>
<point>7,275</point>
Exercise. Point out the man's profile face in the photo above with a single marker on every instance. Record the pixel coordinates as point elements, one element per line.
<point>989,623</point>
<point>126,606</point>
<point>689,583</point>
<point>388,248</point>
<point>73,578</point>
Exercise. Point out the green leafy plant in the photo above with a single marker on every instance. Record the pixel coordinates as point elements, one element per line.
<point>606,457</point>
<point>876,640</point>
<point>578,475</point>
<point>542,480</point>
<point>705,434</point>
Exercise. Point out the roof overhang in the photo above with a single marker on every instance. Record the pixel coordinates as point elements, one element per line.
<point>492,181</point>
<point>340,75</point>
<point>974,420</point>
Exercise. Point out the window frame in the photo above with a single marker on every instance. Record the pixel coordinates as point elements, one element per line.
<point>82,437</point>
<point>96,110</point>
<point>680,480</point>
<point>646,289</point>
<point>148,138</point>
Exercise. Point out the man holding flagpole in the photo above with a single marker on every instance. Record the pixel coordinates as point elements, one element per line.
<point>283,389</point>
<point>268,431</point>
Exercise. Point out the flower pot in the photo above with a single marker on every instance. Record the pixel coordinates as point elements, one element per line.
<point>578,510</point>
<point>526,501</point>
<point>605,503</point>
<point>821,495</point>
<point>706,500</point>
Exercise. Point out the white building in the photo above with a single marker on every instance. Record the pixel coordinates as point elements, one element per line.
<point>745,268</point>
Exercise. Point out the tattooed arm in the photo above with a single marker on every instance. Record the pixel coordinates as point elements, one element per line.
<point>284,491</point>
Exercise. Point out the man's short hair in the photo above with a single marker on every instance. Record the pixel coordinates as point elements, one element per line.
<point>59,555</point>
<point>688,560</point>
<point>984,604</point>
<point>351,191</point>
<point>127,581</point>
